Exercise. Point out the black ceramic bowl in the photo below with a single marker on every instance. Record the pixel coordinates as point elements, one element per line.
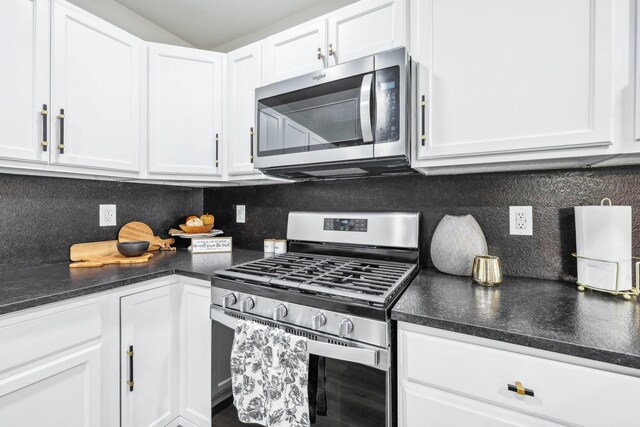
<point>133,248</point>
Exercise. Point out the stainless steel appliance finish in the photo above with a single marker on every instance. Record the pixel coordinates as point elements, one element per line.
<point>345,121</point>
<point>335,288</point>
<point>384,229</point>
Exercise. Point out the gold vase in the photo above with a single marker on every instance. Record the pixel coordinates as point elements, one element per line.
<point>486,270</point>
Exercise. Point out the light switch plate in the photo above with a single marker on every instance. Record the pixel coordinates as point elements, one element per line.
<point>241,213</point>
<point>521,220</point>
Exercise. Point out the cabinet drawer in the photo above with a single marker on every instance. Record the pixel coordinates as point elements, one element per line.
<point>561,391</point>
<point>38,335</point>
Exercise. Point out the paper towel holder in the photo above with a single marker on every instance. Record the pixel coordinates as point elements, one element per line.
<point>635,291</point>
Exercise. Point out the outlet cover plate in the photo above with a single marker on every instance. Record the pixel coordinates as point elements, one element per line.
<point>241,213</point>
<point>521,220</point>
<point>108,215</point>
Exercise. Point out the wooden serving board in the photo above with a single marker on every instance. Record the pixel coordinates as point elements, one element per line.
<point>92,250</point>
<point>111,259</point>
<point>139,231</point>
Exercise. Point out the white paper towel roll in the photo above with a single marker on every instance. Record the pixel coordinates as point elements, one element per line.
<point>604,233</point>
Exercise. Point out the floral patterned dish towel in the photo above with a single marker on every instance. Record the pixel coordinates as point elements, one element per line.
<point>269,375</point>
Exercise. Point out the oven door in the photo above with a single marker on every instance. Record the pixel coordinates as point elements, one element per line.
<point>348,386</point>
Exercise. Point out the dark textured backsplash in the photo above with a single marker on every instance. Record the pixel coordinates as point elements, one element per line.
<point>41,217</point>
<point>487,197</point>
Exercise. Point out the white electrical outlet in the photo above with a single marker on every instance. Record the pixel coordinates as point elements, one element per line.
<point>107,215</point>
<point>241,213</point>
<point>521,220</point>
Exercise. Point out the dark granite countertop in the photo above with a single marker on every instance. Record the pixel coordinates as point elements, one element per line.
<point>541,314</point>
<point>31,287</point>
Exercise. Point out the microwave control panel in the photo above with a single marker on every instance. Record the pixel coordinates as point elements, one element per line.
<point>340,224</point>
<point>388,104</point>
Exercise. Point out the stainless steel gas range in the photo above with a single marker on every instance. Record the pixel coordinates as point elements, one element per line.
<point>335,286</point>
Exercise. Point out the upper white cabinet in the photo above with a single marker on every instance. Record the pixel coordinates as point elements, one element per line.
<point>185,111</point>
<point>24,80</point>
<point>637,68</point>
<point>96,96</point>
<point>366,28</point>
<point>496,76</point>
<point>295,51</point>
<point>244,76</point>
<point>363,28</point>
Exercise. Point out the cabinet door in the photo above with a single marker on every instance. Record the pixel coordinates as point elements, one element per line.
<point>149,327</point>
<point>185,110</point>
<point>499,77</point>
<point>425,407</point>
<point>366,28</point>
<point>63,392</point>
<point>294,52</point>
<point>96,82</point>
<point>24,79</point>
<point>195,355</point>
<point>244,76</point>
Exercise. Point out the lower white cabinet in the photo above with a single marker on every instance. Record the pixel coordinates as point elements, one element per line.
<point>447,380</point>
<point>134,356</point>
<point>149,340</point>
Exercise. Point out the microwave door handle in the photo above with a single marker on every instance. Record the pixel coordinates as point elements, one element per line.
<point>365,108</point>
<point>365,356</point>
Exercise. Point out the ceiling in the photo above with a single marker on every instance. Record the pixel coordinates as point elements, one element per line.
<point>211,24</point>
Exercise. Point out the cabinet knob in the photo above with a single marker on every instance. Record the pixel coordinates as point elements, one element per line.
<point>280,312</point>
<point>318,321</point>
<point>331,51</point>
<point>247,304</point>
<point>320,55</point>
<point>346,327</point>
<point>519,389</point>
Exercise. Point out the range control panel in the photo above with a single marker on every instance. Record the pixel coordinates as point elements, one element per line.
<point>340,224</point>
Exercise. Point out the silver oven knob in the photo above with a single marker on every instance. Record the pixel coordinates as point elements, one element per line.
<point>280,312</point>
<point>346,327</point>
<point>229,300</point>
<point>318,321</point>
<point>247,304</point>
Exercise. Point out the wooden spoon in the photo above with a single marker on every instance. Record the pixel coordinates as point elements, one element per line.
<point>139,231</point>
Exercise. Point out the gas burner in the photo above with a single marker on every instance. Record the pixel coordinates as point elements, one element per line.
<point>359,279</point>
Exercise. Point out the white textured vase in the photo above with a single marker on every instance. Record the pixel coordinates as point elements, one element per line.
<point>455,242</point>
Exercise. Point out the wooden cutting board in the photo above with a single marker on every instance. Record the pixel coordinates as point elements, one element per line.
<point>139,231</point>
<point>92,250</point>
<point>111,259</point>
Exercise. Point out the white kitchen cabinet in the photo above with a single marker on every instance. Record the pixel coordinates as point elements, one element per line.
<point>365,28</point>
<point>496,77</point>
<point>24,79</point>
<point>53,368</point>
<point>637,70</point>
<point>296,51</point>
<point>149,357</point>
<point>195,355</point>
<point>243,77</point>
<point>96,98</point>
<point>447,378</point>
<point>185,111</point>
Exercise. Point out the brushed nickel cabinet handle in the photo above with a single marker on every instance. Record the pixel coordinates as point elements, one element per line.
<point>331,51</point>
<point>45,139</point>
<point>61,142</point>
<point>320,53</point>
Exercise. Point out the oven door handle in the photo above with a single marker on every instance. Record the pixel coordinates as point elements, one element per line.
<point>364,356</point>
<point>365,108</point>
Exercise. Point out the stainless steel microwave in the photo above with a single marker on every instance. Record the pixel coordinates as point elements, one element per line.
<point>349,120</point>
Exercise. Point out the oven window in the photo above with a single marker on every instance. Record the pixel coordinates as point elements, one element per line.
<point>320,117</point>
<point>341,394</point>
